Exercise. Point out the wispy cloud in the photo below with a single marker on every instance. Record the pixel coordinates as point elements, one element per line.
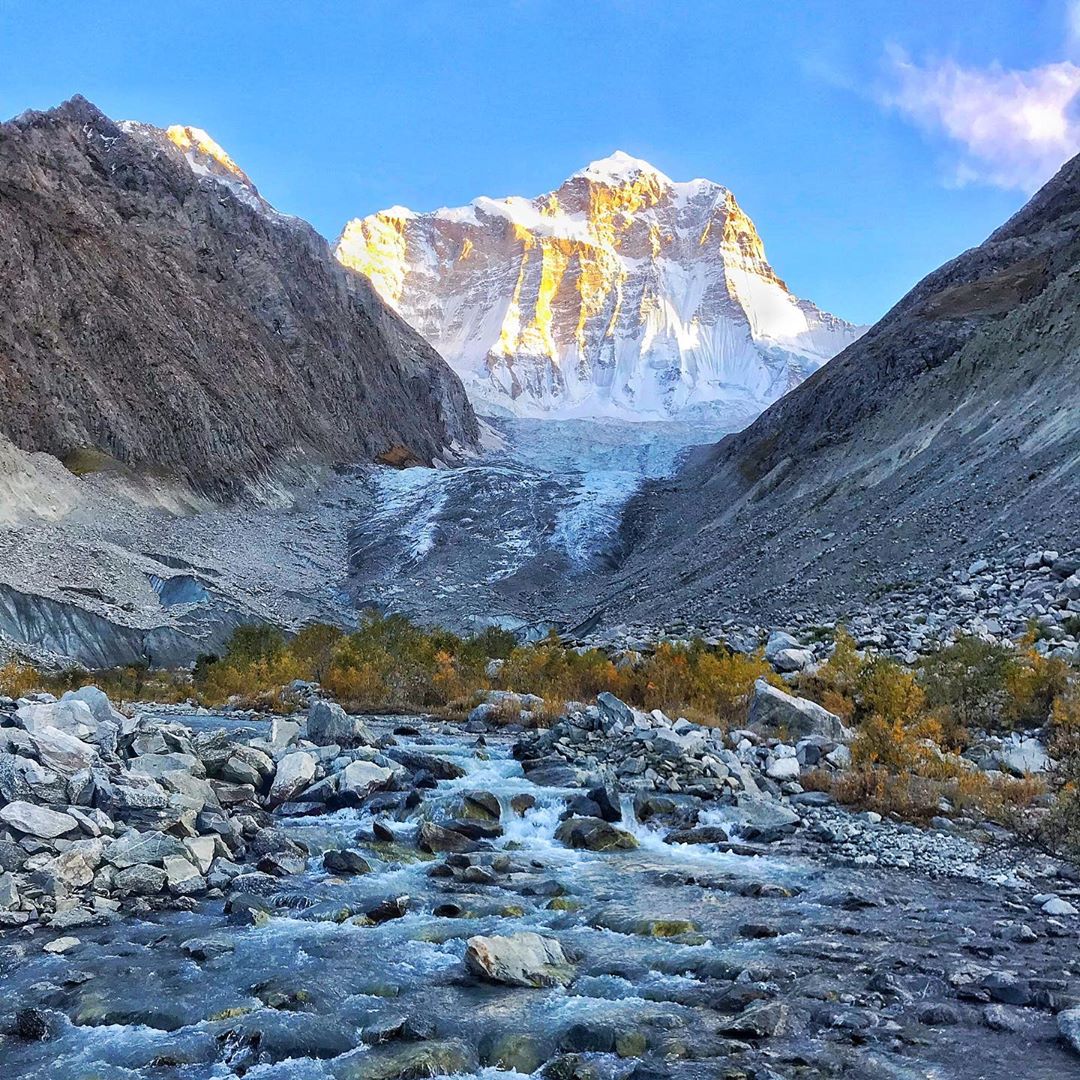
<point>1014,129</point>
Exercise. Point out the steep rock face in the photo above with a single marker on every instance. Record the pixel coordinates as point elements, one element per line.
<point>952,427</point>
<point>621,293</point>
<point>155,311</point>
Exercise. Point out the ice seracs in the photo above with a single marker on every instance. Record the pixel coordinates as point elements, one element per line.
<point>621,293</point>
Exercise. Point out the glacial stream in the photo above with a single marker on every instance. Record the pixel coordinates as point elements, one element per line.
<point>665,939</point>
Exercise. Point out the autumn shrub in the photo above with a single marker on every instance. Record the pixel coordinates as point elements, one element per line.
<point>18,678</point>
<point>1061,829</point>
<point>834,684</point>
<point>315,647</point>
<point>1033,683</point>
<point>557,674</point>
<point>917,798</point>
<point>966,683</point>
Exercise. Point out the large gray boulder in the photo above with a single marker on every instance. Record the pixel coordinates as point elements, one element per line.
<point>98,703</point>
<point>63,753</point>
<point>761,819</point>
<point>72,716</point>
<point>329,723</point>
<point>594,834</point>
<point>295,772</point>
<point>773,712</point>
<point>359,779</point>
<point>134,847</point>
<point>519,960</point>
<point>24,778</point>
<point>37,821</point>
<point>1023,756</point>
<point>1069,1028</point>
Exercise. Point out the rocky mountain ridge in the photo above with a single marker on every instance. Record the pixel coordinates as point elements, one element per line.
<point>948,432</point>
<point>158,317</point>
<point>621,293</point>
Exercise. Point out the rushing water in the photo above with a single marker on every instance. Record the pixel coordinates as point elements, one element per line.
<point>289,1000</point>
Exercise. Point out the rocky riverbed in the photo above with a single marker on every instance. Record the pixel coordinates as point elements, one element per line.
<point>395,898</point>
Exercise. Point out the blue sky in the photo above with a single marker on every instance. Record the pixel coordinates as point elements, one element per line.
<point>869,140</point>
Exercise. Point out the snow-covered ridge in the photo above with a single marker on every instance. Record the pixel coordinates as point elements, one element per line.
<point>621,293</point>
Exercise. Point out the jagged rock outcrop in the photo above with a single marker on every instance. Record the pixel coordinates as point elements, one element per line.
<point>952,428</point>
<point>158,316</point>
<point>621,293</point>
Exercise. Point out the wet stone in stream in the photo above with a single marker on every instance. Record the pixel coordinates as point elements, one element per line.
<point>468,934</point>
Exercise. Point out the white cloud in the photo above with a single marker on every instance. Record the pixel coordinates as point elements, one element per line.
<point>1015,128</point>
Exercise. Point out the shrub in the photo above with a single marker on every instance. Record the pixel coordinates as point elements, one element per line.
<point>1032,683</point>
<point>495,643</point>
<point>18,678</point>
<point>912,797</point>
<point>966,682</point>
<point>314,648</point>
<point>1061,830</point>
<point>833,685</point>
<point>252,643</point>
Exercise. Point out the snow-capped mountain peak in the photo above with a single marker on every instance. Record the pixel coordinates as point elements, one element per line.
<point>620,166</point>
<point>620,293</point>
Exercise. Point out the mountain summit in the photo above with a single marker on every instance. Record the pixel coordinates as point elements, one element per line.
<point>621,293</point>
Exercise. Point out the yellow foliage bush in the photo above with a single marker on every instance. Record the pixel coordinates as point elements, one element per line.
<point>18,678</point>
<point>912,797</point>
<point>833,685</point>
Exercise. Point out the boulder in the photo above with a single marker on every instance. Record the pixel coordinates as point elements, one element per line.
<point>24,778</point>
<point>1023,756</point>
<point>283,733</point>
<point>140,880</point>
<point>345,862</point>
<point>526,959</point>
<point>764,820</point>
<point>61,752</point>
<point>778,642</point>
<point>37,821</point>
<point>482,805</point>
<point>612,710</point>
<point>359,779</point>
<point>783,767</point>
<point>9,891</point>
<point>761,1021</point>
<point>295,772</point>
<point>410,1061</point>
<point>594,834</point>
<point>788,660</point>
<point>201,850</point>
<point>434,838</point>
<point>329,723</point>
<point>71,716</point>
<point>98,703</point>
<point>134,847</point>
<point>181,873</point>
<point>417,761</point>
<point>1068,1023</point>
<point>772,711</point>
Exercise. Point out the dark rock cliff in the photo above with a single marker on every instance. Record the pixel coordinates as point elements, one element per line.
<point>154,313</point>
<point>952,427</point>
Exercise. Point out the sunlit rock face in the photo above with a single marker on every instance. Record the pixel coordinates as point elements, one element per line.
<point>621,293</point>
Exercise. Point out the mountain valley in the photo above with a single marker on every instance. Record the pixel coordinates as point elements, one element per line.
<point>525,641</point>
